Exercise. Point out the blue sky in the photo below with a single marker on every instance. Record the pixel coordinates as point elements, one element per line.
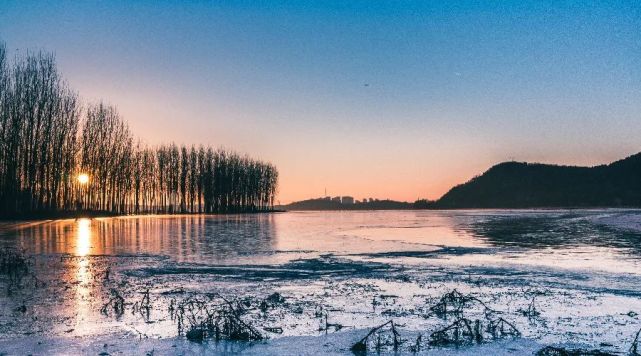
<point>398,99</point>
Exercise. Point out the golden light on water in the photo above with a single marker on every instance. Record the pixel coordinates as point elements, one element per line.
<point>83,239</point>
<point>83,178</point>
<point>84,275</point>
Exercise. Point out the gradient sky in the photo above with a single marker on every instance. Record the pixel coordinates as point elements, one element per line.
<point>387,99</point>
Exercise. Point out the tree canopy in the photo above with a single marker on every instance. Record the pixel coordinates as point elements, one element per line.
<point>48,138</point>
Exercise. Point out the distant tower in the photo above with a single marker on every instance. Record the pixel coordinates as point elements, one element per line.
<point>325,191</point>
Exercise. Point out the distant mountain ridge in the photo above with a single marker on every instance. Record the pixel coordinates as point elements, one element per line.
<point>520,185</point>
<point>536,185</point>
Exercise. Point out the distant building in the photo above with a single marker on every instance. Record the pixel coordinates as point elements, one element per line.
<point>347,200</point>
<point>336,199</point>
<point>327,198</point>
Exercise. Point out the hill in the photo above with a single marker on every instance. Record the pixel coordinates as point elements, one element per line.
<point>534,185</point>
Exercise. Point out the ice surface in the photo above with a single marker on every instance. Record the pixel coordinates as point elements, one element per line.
<point>339,274</point>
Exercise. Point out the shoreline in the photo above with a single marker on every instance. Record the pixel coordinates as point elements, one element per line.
<point>550,208</point>
<point>40,218</point>
<point>100,214</point>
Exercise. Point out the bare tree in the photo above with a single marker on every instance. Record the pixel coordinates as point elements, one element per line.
<point>45,143</point>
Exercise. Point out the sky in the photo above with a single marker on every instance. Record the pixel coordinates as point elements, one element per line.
<point>384,99</point>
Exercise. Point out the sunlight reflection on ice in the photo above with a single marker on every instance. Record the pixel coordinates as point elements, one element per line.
<point>83,275</point>
<point>83,238</point>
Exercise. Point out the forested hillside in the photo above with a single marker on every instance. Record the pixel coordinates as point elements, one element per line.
<point>527,185</point>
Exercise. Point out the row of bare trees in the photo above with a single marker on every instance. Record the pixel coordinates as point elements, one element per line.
<point>47,140</point>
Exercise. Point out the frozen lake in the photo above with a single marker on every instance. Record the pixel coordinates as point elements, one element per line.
<point>314,282</point>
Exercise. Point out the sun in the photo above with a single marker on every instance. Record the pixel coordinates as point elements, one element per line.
<point>83,178</point>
